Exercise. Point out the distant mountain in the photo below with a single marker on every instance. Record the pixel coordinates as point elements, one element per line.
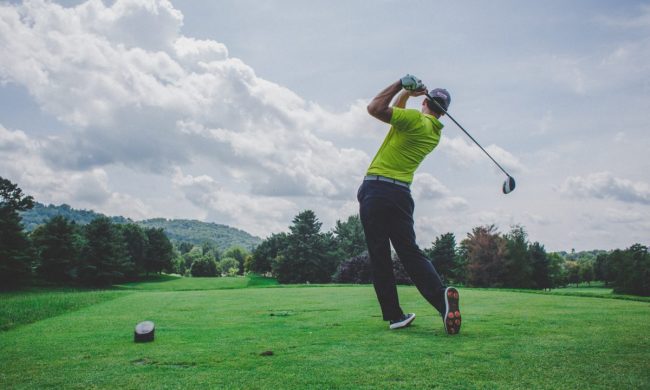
<point>41,213</point>
<point>178,230</point>
<point>197,232</point>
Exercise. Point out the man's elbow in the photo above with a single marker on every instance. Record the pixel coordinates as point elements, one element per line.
<point>382,113</point>
<point>376,110</point>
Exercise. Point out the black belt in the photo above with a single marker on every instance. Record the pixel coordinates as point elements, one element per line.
<point>387,179</point>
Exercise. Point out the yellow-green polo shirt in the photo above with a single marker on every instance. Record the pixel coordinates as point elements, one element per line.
<point>411,137</point>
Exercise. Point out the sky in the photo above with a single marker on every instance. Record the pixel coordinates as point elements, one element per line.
<point>246,113</point>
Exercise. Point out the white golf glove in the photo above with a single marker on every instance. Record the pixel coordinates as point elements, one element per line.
<point>412,83</point>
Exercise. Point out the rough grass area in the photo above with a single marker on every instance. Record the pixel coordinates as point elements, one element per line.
<point>594,291</point>
<point>331,337</point>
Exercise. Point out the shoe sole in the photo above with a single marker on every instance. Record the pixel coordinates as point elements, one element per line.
<point>452,319</point>
<point>403,324</point>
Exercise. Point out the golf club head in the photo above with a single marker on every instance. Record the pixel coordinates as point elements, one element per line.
<point>509,185</point>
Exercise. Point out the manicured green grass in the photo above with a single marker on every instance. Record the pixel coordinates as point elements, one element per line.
<point>331,337</point>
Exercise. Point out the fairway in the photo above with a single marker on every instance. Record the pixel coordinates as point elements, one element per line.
<point>328,337</point>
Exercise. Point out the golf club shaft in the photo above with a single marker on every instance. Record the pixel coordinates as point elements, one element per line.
<point>470,137</point>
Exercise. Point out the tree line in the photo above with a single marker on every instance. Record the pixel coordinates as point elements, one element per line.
<point>99,253</point>
<point>102,252</point>
<point>62,252</point>
<point>485,258</point>
<point>208,260</point>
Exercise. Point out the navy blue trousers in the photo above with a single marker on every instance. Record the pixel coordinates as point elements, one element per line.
<point>386,212</point>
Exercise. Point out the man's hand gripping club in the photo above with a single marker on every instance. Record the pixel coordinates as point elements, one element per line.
<point>409,85</point>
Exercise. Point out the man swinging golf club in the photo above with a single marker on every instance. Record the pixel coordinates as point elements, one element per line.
<point>386,205</point>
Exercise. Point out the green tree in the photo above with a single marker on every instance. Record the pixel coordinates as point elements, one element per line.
<point>136,243</point>
<point>204,266</point>
<point>632,270</point>
<point>349,237</point>
<point>229,266</point>
<point>602,269</point>
<point>211,249</point>
<point>185,247</point>
<point>188,259</point>
<point>556,270</point>
<point>247,262</point>
<point>238,253</point>
<point>461,261</point>
<point>104,258</point>
<point>266,252</point>
<point>541,265</point>
<point>573,272</point>
<point>586,270</point>
<point>310,256</point>
<point>517,268</point>
<point>58,245</point>
<point>159,253</point>
<point>443,256</point>
<point>15,248</point>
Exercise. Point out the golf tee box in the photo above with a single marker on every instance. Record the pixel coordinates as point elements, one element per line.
<point>144,332</point>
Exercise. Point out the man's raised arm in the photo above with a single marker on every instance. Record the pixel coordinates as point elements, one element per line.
<point>380,108</point>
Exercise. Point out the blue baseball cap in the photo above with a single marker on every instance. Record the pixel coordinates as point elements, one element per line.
<point>441,96</point>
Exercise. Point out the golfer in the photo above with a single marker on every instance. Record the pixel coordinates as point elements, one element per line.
<point>386,205</point>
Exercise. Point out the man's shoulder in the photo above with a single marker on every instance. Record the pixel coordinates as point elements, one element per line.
<point>404,118</point>
<point>437,125</point>
<point>407,111</point>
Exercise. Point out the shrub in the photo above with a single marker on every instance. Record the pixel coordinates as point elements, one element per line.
<point>401,277</point>
<point>354,270</point>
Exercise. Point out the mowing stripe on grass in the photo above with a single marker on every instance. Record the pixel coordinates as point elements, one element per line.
<point>28,307</point>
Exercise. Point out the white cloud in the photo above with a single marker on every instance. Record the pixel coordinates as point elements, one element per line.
<point>537,219</point>
<point>604,185</point>
<point>23,164</point>
<point>150,25</point>
<point>14,141</point>
<point>463,152</point>
<point>135,91</point>
<point>258,215</point>
<point>625,216</point>
<point>426,187</point>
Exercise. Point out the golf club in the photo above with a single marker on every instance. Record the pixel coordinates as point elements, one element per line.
<point>509,184</point>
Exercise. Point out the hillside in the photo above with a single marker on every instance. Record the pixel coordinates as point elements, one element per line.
<point>41,213</point>
<point>197,232</point>
<point>178,230</point>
